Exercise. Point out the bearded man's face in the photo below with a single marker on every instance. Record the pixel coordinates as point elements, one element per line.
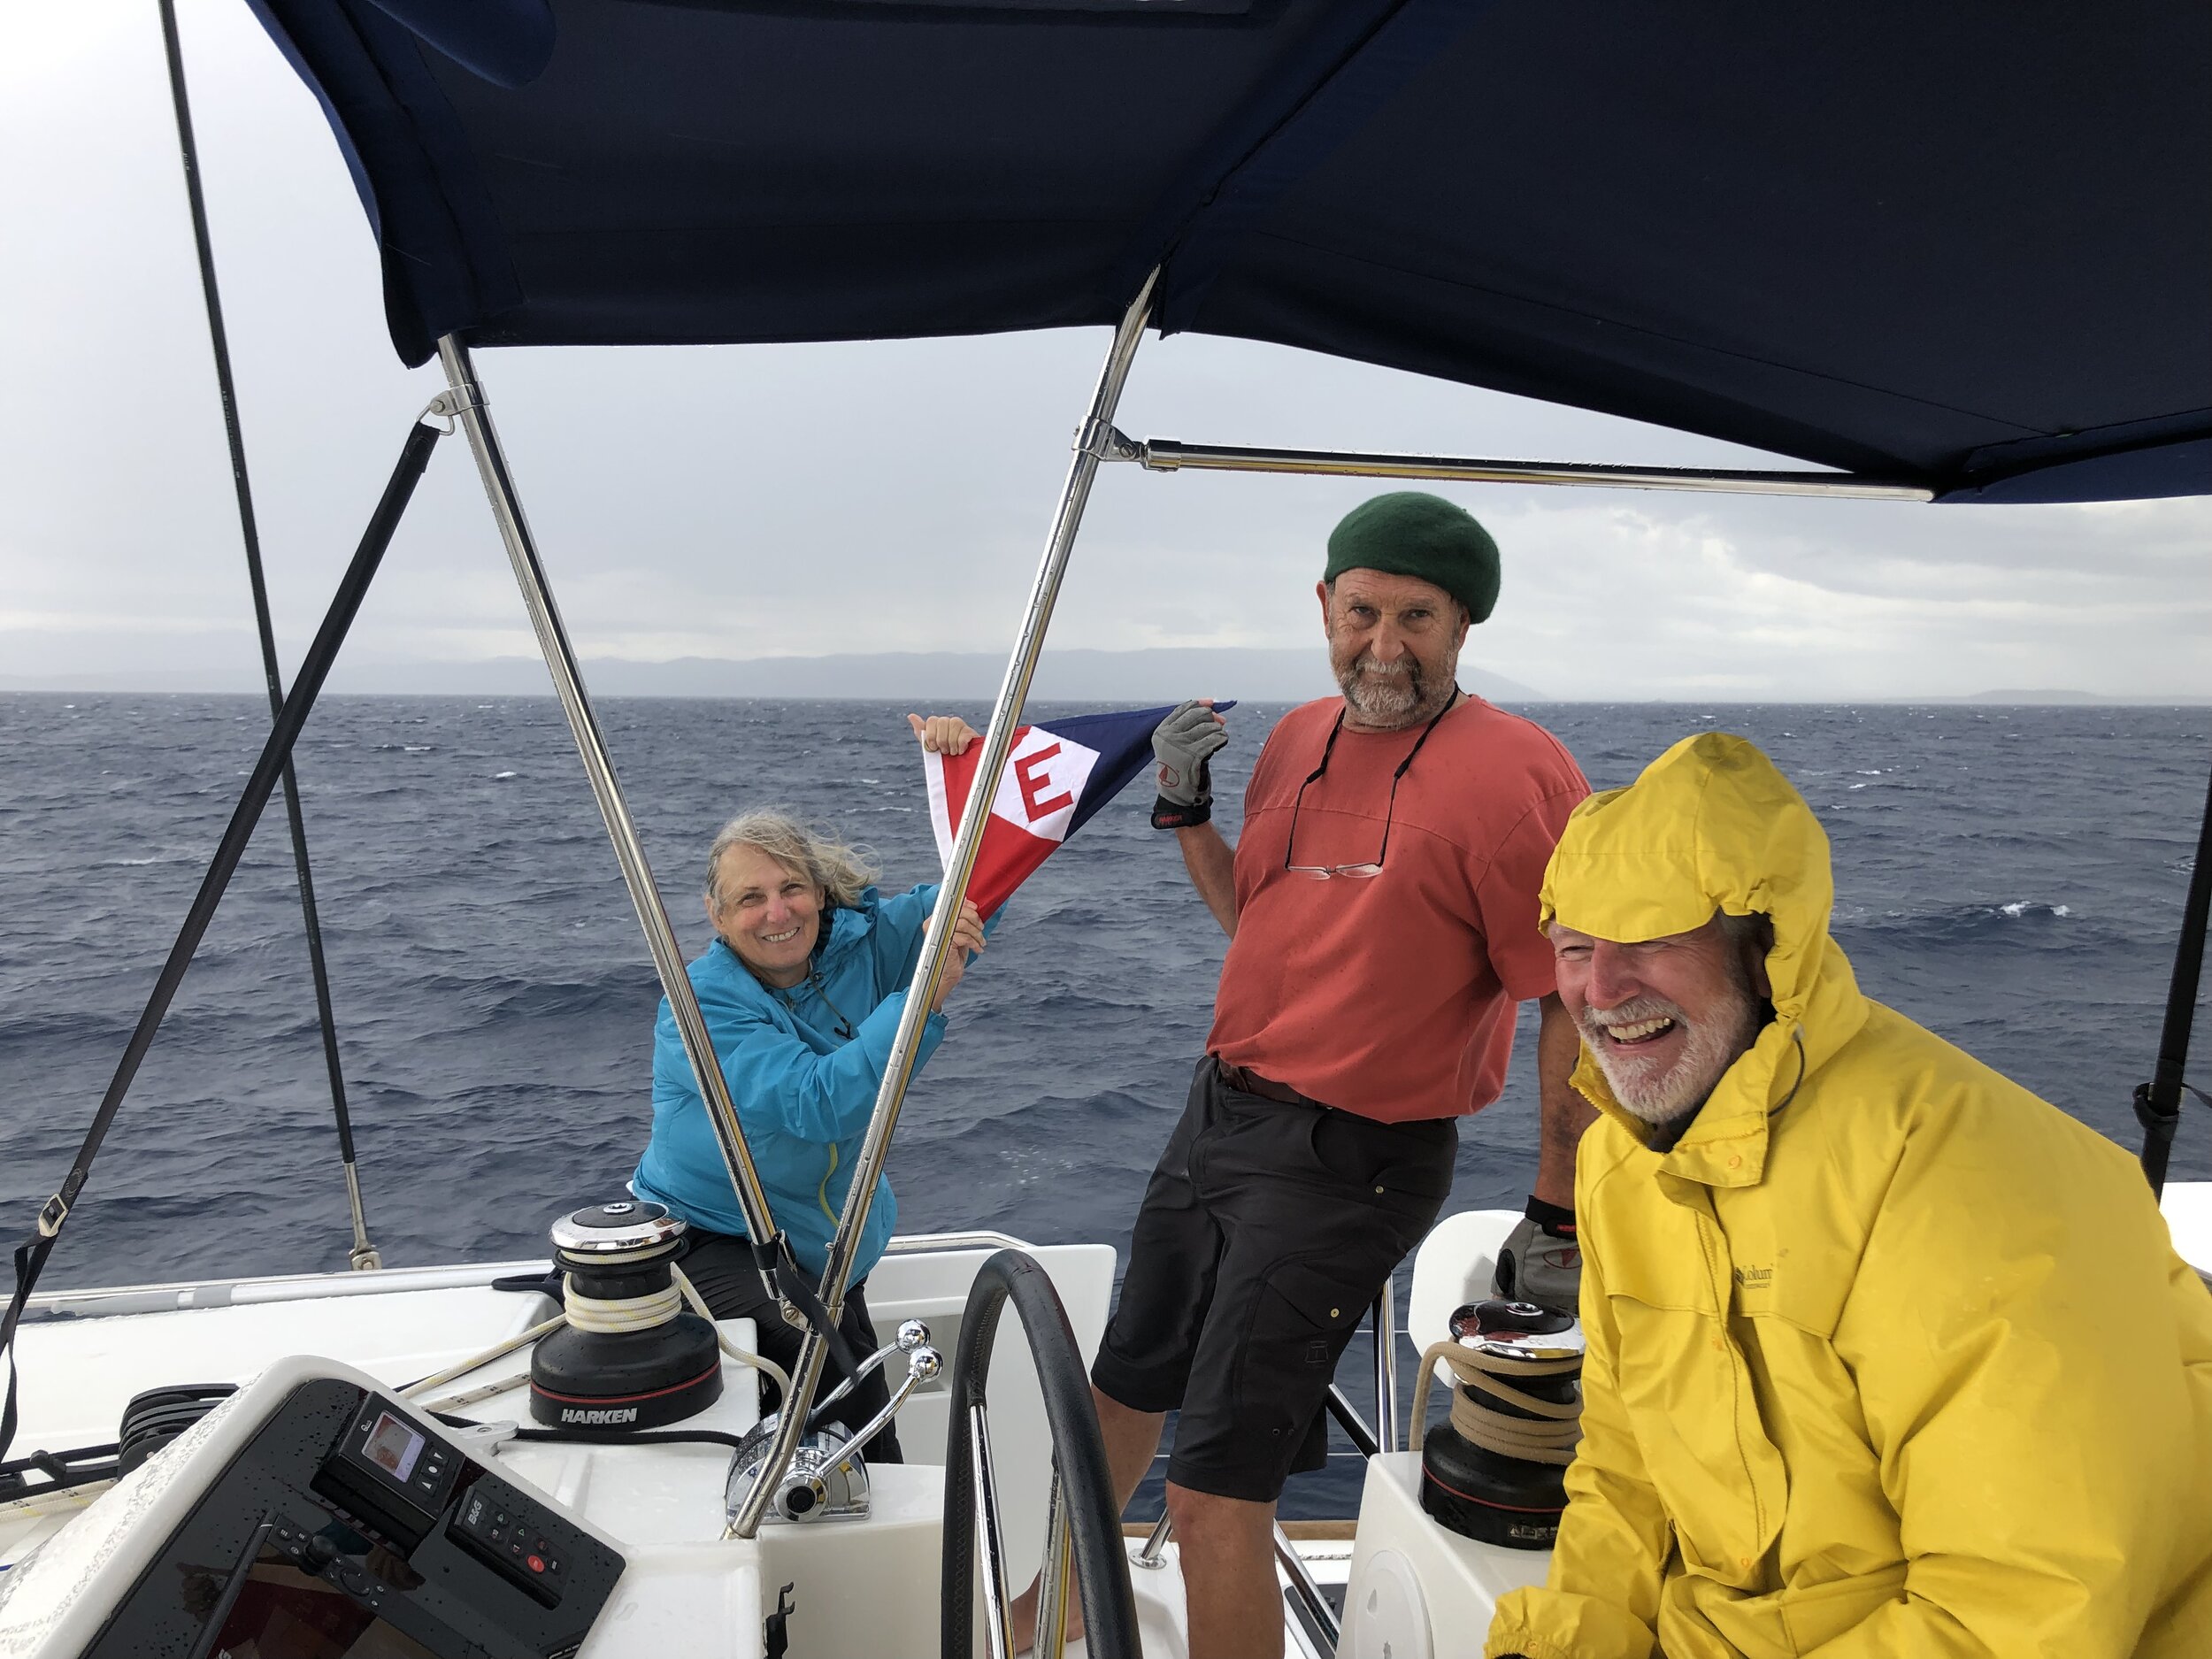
<point>1394,645</point>
<point>1664,1018</point>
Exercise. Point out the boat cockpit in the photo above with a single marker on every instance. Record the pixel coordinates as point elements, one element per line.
<point>566,1457</point>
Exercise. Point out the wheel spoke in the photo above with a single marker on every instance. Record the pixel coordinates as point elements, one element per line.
<point>991,1556</point>
<point>1052,1584</point>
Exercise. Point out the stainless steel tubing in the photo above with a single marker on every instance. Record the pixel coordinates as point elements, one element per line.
<point>1052,1580</point>
<point>1169,455</point>
<point>1091,443</point>
<point>466,402</point>
<point>1386,1367</point>
<point>1153,1553</point>
<point>990,1539</point>
<point>1306,1590</point>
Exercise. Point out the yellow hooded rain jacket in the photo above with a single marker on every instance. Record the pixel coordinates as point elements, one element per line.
<point>1887,1357</point>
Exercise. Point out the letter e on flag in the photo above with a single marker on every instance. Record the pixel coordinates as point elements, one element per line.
<point>1043,779</point>
<point>1033,781</point>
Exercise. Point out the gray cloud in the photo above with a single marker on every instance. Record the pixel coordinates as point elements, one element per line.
<point>889,495</point>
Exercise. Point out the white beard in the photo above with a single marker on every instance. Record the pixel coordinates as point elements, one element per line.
<point>1388,697</point>
<point>1711,1048</point>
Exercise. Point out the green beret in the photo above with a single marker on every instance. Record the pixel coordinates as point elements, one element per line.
<point>1411,533</point>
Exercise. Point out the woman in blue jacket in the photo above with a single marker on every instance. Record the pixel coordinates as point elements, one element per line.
<point>802,990</point>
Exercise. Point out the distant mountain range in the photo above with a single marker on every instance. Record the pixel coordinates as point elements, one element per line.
<point>1166,675</point>
<point>2017,699</point>
<point>1068,676</point>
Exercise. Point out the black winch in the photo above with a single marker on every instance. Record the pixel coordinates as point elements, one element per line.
<point>629,1357</point>
<point>1496,1471</point>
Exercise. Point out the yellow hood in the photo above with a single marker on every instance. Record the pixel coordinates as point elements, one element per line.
<point>1712,826</point>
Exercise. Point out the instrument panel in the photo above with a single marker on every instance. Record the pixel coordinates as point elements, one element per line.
<point>348,1527</point>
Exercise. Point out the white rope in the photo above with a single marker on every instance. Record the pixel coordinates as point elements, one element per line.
<point>605,1317</point>
<point>498,1350</point>
<point>617,1317</point>
<point>760,1363</point>
<point>1548,1435</point>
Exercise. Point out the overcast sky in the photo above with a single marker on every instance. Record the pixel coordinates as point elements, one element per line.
<point>762,501</point>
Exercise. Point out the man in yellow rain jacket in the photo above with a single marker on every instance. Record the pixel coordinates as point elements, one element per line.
<point>1886,1356</point>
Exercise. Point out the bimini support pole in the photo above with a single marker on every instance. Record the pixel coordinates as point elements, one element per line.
<point>463,401</point>
<point>1091,443</point>
<point>1169,455</point>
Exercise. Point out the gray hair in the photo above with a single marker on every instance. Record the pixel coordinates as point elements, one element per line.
<point>1752,935</point>
<point>839,871</point>
<point>1754,930</point>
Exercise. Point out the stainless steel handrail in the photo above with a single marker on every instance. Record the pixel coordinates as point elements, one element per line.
<point>109,1300</point>
<point>465,397</point>
<point>1091,443</point>
<point>105,1301</point>
<point>920,1243</point>
<point>1386,1367</point>
<point>1307,1591</point>
<point>1169,455</point>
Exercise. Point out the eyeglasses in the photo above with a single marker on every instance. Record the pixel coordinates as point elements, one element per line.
<point>1322,873</point>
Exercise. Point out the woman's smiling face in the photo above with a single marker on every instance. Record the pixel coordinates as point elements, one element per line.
<point>768,913</point>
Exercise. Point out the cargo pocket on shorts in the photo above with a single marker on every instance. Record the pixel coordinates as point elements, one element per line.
<point>1302,1316</point>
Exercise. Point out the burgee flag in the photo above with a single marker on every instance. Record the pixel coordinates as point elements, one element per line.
<point>1058,774</point>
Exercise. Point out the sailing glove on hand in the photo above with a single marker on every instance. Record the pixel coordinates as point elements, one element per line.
<point>1541,1261</point>
<point>1183,742</point>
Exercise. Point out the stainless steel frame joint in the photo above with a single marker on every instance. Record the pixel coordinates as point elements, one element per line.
<point>364,1256</point>
<point>1108,442</point>
<point>449,406</point>
<point>1102,441</point>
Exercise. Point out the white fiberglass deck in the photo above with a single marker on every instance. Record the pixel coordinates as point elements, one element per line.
<point>864,1588</point>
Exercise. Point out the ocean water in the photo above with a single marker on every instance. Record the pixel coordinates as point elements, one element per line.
<point>2012,878</point>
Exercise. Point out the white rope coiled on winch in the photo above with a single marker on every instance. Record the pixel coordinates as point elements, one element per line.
<point>601,1317</point>
<point>1548,1435</point>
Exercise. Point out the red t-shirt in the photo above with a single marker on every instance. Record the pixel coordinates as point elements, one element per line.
<point>1392,995</point>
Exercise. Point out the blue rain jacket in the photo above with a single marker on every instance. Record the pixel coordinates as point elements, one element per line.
<point>803,1093</point>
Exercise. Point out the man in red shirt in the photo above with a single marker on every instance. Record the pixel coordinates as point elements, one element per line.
<point>1381,905</point>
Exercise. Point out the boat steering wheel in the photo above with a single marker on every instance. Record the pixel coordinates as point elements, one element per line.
<point>1084,1513</point>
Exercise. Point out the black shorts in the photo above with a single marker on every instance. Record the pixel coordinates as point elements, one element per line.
<point>1266,1232</point>
<point>720,1269</point>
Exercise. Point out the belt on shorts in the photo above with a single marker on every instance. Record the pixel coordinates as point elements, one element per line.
<point>1266,1088</point>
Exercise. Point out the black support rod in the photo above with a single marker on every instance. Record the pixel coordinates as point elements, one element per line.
<point>30,1255</point>
<point>2158,1102</point>
<point>363,1254</point>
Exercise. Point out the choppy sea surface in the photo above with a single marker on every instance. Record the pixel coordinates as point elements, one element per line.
<point>2010,877</point>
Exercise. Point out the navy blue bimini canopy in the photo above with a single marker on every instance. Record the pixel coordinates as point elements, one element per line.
<point>1967,245</point>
